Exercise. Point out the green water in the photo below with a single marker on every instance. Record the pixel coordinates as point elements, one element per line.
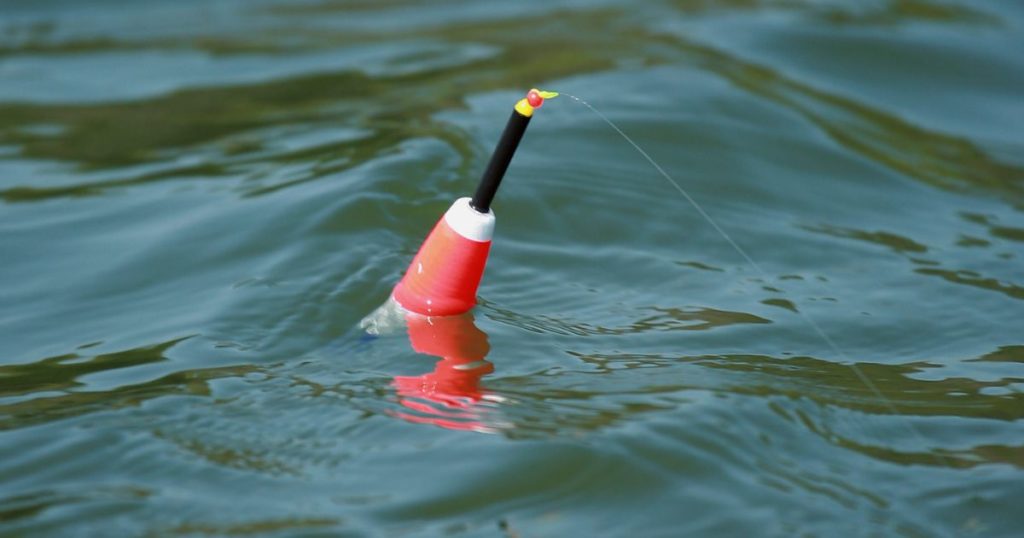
<point>200,200</point>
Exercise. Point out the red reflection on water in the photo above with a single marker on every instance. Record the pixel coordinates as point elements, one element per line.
<point>448,396</point>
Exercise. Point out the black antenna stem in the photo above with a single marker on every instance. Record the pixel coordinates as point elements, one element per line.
<point>502,155</point>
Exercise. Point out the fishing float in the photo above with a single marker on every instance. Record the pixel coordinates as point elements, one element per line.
<point>443,277</point>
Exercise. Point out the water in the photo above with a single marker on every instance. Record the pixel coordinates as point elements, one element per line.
<point>201,200</point>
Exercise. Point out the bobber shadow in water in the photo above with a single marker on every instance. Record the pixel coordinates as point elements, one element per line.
<point>443,277</point>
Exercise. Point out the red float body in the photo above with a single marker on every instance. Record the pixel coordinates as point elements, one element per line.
<point>443,278</point>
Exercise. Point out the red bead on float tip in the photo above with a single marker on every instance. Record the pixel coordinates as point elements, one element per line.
<point>533,97</point>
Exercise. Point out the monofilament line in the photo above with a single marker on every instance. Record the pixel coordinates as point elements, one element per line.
<point>871,386</point>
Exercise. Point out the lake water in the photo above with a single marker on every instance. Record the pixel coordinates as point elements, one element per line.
<point>200,200</point>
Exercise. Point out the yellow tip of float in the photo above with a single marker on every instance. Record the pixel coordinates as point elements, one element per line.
<point>523,107</point>
<point>534,99</point>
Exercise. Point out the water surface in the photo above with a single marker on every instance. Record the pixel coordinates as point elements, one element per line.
<point>200,200</point>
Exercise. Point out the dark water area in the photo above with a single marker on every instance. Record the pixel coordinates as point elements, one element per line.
<point>200,200</point>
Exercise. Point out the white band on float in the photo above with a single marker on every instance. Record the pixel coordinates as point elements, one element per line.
<point>468,222</point>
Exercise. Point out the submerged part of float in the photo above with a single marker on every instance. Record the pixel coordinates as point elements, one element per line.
<point>443,277</point>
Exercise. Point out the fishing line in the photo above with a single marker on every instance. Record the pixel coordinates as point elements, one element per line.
<point>871,386</point>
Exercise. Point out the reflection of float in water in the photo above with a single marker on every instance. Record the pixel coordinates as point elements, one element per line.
<point>451,396</point>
